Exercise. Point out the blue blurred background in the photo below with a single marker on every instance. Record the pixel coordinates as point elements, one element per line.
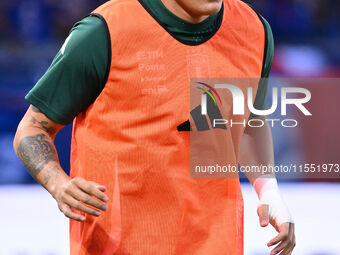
<point>307,44</point>
<point>31,33</point>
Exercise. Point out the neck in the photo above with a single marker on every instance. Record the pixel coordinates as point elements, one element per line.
<point>183,12</point>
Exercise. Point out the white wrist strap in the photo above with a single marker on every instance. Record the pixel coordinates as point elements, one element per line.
<point>268,192</point>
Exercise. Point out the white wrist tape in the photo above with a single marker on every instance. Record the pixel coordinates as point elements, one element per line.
<point>268,192</point>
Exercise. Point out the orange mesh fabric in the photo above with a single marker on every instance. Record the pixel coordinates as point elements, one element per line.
<point>128,139</point>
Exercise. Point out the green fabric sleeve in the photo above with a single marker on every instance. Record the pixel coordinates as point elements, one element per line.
<point>77,74</point>
<point>261,95</point>
<point>79,71</point>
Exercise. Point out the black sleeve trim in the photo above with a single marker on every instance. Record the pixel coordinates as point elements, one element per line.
<point>265,44</point>
<point>265,39</point>
<point>109,49</point>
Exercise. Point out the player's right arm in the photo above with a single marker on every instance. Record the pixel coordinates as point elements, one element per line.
<point>34,145</point>
<point>70,85</point>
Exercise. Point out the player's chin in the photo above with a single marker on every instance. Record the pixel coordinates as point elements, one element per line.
<point>203,7</point>
<point>212,7</point>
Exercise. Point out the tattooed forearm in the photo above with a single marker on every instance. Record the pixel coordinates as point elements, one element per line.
<point>51,173</point>
<point>36,152</point>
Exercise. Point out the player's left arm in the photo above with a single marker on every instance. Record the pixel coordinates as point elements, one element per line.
<point>257,149</point>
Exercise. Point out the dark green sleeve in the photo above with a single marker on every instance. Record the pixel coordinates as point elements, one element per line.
<point>77,74</point>
<point>261,95</point>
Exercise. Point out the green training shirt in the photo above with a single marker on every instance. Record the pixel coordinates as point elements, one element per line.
<point>77,74</point>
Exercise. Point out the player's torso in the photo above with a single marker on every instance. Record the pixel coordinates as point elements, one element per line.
<point>130,134</point>
<point>147,95</point>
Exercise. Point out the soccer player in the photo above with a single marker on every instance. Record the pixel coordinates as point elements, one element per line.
<point>123,77</point>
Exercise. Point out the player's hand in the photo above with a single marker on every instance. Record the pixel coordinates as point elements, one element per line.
<point>285,240</point>
<point>82,195</point>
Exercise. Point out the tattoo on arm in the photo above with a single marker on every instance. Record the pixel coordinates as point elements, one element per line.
<point>52,172</point>
<point>36,152</point>
<point>43,124</point>
<point>35,109</point>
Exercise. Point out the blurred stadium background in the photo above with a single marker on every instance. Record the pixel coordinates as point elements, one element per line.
<point>307,38</point>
